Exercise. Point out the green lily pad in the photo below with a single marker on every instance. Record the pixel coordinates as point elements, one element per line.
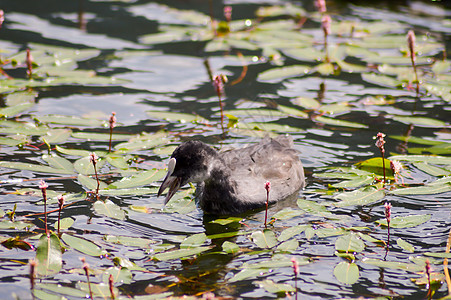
<point>405,221</point>
<point>347,273</point>
<point>49,255</point>
<point>109,209</point>
<point>275,288</point>
<point>349,243</point>
<point>264,239</point>
<point>83,245</point>
<point>181,253</point>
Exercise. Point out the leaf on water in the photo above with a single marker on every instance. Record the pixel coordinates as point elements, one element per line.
<point>275,288</point>
<point>364,196</point>
<point>109,209</point>
<point>347,273</point>
<point>356,182</point>
<point>58,162</point>
<point>374,165</point>
<point>119,162</point>
<point>327,232</point>
<point>405,245</point>
<point>292,111</point>
<point>11,111</point>
<point>227,221</point>
<point>292,231</point>
<point>174,117</point>
<point>264,239</point>
<point>59,289</point>
<point>70,120</point>
<point>32,167</point>
<point>82,245</point>
<point>439,254</point>
<point>128,192</point>
<point>245,274</point>
<point>306,102</point>
<point>420,121</point>
<point>180,253</point>
<point>287,213</point>
<point>89,182</point>
<point>393,264</point>
<point>381,80</point>
<point>120,275</point>
<point>405,221</point>
<point>85,166</point>
<point>57,135</point>
<point>325,69</point>
<point>338,122</point>
<point>349,243</point>
<point>98,289</point>
<point>74,152</point>
<point>129,241</point>
<point>432,159</point>
<point>95,136</point>
<point>181,205</point>
<point>49,255</point>
<point>428,189</point>
<point>230,248</point>
<point>278,74</point>
<point>193,241</point>
<point>142,178</point>
<point>65,223</point>
<point>288,246</point>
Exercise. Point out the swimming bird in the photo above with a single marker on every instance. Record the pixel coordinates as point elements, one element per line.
<point>232,182</point>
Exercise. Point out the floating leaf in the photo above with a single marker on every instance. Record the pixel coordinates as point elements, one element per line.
<point>292,231</point>
<point>374,165</point>
<point>264,239</point>
<point>172,116</point>
<point>347,273</point>
<point>338,122</point>
<point>94,136</point>
<point>49,255</point>
<point>193,241</point>
<point>11,111</point>
<point>278,74</point>
<point>57,135</point>
<point>70,120</point>
<point>230,248</point>
<point>109,209</point>
<point>363,196</point>
<point>119,275</point>
<point>98,289</point>
<point>32,167</point>
<point>405,245</point>
<point>393,265</point>
<point>245,274</point>
<point>60,290</point>
<point>292,111</point>
<point>349,243</point>
<point>275,288</point>
<point>405,221</point>
<point>16,225</point>
<point>82,245</point>
<point>429,189</point>
<point>432,170</point>
<point>58,162</point>
<point>85,166</point>
<point>128,192</point>
<point>420,121</point>
<point>129,241</point>
<point>287,213</point>
<point>288,246</point>
<point>181,253</point>
<point>142,178</point>
<point>74,152</point>
<point>439,254</point>
<point>89,182</point>
<point>65,223</point>
<point>381,80</point>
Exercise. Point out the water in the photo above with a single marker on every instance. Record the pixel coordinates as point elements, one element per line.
<point>140,74</point>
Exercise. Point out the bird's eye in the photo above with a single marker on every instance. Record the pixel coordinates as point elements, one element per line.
<point>171,166</point>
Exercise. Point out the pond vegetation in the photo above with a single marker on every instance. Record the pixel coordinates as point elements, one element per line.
<point>89,119</point>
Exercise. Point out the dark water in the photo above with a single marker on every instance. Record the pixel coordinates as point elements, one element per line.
<point>172,76</point>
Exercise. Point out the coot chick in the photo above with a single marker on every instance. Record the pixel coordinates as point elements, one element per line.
<point>232,182</point>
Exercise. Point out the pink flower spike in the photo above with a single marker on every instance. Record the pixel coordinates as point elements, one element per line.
<point>43,185</point>
<point>295,265</point>
<point>411,44</point>
<point>228,13</point>
<point>325,24</point>
<point>113,120</point>
<point>321,5</point>
<point>268,186</point>
<point>388,211</point>
<point>2,17</point>
<point>61,199</point>
<point>93,157</point>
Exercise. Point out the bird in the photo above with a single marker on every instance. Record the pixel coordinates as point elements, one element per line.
<point>233,182</point>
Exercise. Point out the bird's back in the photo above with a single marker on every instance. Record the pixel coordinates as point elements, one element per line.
<point>245,171</point>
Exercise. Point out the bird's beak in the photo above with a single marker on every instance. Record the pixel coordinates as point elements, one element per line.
<point>173,183</point>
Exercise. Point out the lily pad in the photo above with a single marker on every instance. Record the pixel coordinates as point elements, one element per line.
<point>347,273</point>
<point>49,255</point>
